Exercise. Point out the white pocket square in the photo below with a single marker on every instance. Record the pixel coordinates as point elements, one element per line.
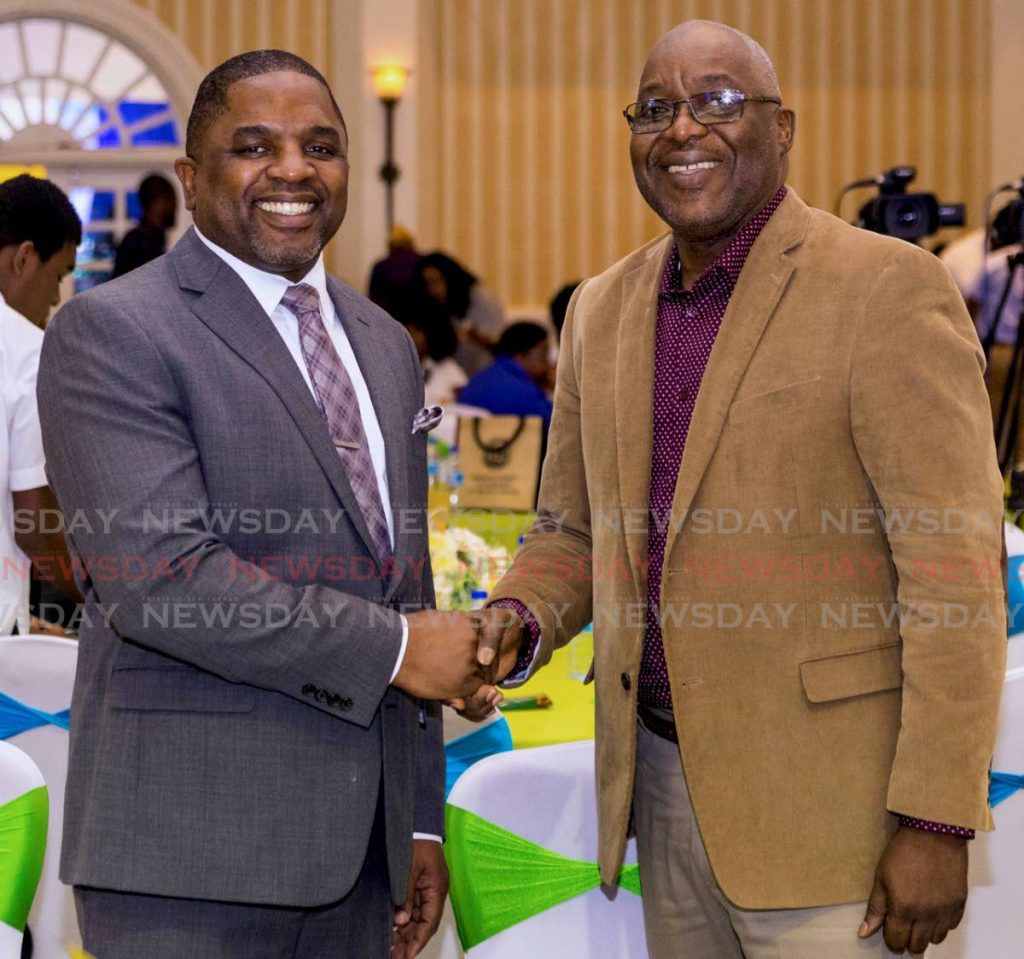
<point>427,418</point>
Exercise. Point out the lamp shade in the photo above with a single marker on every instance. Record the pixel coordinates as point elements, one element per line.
<point>389,80</point>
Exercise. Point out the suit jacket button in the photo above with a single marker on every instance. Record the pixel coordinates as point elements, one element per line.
<point>626,681</point>
<point>333,700</point>
<point>344,703</point>
<point>309,690</point>
<point>321,695</point>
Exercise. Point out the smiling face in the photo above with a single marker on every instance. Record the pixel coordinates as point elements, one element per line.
<point>705,182</point>
<point>270,182</point>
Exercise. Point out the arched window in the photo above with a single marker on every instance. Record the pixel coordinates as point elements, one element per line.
<point>66,85</point>
<point>96,93</point>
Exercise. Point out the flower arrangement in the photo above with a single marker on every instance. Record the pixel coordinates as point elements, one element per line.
<point>462,562</point>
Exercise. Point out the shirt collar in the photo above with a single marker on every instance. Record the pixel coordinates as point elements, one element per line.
<point>268,288</point>
<point>730,261</point>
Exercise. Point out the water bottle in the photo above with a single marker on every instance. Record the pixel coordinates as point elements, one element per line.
<point>581,653</point>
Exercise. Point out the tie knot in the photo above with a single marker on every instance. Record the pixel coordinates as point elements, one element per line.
<point>302,298</point>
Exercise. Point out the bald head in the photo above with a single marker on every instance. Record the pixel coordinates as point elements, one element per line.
<point>747,48</point>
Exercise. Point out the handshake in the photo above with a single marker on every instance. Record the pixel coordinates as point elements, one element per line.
<point>458,656</point>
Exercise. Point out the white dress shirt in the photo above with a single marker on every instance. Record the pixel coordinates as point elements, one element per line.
<point>21,455</point>
<point>268,288</point>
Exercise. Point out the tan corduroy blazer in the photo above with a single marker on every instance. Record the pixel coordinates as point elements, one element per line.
<point>832,593</point>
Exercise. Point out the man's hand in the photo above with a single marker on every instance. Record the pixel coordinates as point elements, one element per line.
<point>417,919</point>
<point>441,656</point>
<point>479,706</point>
<point>920,890</point>
<point>500,634</point>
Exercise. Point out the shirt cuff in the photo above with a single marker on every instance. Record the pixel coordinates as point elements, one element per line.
<point>401,651</point>
<point>427,835</point>
<point>528,651</point>
<point>926,825</point>
<point>27,477</point>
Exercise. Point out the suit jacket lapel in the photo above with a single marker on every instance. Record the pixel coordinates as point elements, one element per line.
<point>761,284</point>
<point>634,400</point>
<point>378,370</point>
<point>227,307</point>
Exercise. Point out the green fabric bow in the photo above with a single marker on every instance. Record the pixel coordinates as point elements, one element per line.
<point>499,879</point>
<point>23,824</point>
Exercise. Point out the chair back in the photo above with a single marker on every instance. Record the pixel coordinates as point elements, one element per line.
<point>993,924</point>
<point>522,851</point>
<point>23,821</point>
<point>37,674</point>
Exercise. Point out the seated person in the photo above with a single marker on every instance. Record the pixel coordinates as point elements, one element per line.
<point>435,339</point>
<point>516,382</point>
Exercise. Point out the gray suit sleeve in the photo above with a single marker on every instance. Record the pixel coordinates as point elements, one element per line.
<point>117,439</point>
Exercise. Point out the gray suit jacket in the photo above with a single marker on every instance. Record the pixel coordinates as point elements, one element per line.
<point>232,723</point>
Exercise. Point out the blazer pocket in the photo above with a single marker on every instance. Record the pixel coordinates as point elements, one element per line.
<point>177,689</point>
<point>857,673</point>
<point>785,397</point>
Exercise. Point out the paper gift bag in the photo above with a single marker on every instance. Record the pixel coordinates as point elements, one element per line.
<point>499,458</point>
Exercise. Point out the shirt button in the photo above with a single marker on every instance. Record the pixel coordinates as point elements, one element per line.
<point>626,681</point>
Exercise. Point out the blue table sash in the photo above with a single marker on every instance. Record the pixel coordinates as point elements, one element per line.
<point>463,752</point>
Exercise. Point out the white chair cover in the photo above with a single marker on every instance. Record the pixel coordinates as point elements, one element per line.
<point>39,671</point>
<point>18,775</point>
<point>547,796</point>
<point>993,925</point>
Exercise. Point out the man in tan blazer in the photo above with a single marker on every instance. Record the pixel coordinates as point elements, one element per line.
<point>771,484</point>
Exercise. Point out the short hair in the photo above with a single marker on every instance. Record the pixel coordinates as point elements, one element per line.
<point>40,212</point>
<point>152,188</point>
<point>519,338</point>
<point>559,305</point>
<point>212,96</point>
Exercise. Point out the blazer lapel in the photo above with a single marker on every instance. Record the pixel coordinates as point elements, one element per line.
<point>634,400</point>
<point>762,282</point>
<point>231,312</point>
<point>379,375</point>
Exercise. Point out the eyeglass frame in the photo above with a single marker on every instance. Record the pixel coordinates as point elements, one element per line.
<point>676,104</point>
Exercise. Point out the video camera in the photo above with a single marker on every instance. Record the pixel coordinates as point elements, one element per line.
<point>907,216</point>
<point>1008,225</point>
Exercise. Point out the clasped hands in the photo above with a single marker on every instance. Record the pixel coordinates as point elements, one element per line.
<point>459,657</point>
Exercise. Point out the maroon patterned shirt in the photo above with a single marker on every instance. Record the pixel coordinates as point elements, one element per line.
<point>687,328</point>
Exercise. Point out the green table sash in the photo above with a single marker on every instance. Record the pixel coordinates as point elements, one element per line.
<point>23,824</point>
<point>499,879</point>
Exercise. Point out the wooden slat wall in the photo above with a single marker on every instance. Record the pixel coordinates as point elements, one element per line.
<point>523,159</point>
<point>217,29</point>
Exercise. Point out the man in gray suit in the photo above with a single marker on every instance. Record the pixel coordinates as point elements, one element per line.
<point>255,767</point>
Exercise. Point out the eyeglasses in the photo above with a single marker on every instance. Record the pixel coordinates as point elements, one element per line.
<point>715,106</point>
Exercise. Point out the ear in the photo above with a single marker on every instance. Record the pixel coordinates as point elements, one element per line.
<point>785,124</point>
<point>24,256</point>
<point>185,168</point>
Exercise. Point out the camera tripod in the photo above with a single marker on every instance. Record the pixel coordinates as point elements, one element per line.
<point>1008,421</point>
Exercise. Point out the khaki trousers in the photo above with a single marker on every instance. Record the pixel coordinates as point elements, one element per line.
<point>686,915</point>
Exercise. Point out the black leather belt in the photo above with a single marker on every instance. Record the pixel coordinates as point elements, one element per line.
<point>665,728</point>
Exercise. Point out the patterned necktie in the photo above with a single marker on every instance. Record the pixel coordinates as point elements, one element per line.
<point>340,408</point>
